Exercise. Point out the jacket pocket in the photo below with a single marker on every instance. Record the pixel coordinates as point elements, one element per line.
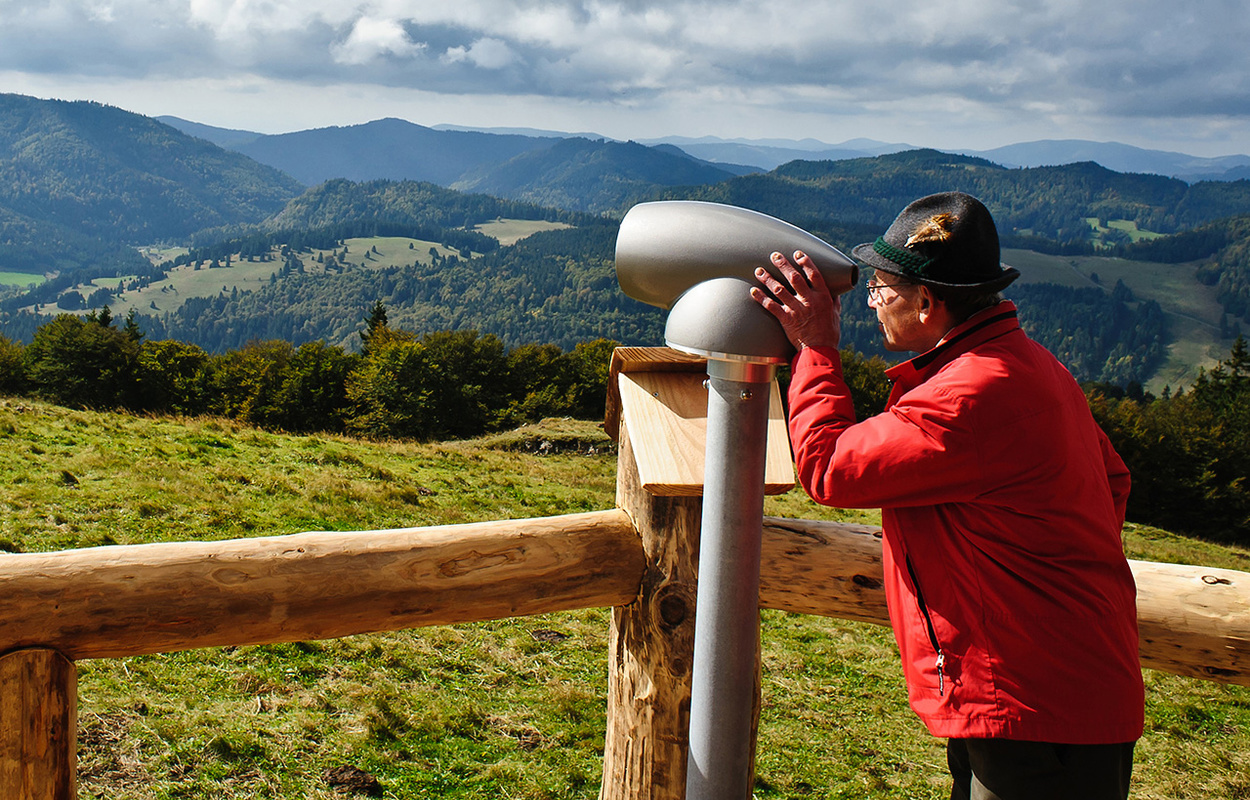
<point>940,662</point>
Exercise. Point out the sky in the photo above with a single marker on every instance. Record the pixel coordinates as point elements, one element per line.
<point>956,74</point>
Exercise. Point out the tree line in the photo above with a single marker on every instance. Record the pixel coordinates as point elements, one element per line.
<point>1189,451</point>
<point>443,385</point>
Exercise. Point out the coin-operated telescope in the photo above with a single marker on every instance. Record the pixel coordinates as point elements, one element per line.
<point>698,260</point>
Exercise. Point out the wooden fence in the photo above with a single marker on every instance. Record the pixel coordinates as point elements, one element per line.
<point>639,559</point>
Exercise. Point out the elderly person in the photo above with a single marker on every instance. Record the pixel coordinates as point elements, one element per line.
<point>1001,502</point>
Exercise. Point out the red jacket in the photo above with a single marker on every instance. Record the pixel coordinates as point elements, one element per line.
<point>1002,501</point>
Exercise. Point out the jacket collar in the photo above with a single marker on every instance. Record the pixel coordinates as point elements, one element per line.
<point>978,329</point>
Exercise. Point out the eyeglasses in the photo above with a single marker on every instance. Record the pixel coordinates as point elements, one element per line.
<point>874,289</point>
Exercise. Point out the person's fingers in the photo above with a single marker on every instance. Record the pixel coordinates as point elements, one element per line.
<point>813,275</point>
<point>798,282</point>
<point>770,305</point>
<point>778,289</point>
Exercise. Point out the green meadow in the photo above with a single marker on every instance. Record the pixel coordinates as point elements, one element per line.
<point>510,231</point>
<point>505,709</point>
<point>185,282</point>
<point>1192,311</point>
<point>22,279</point>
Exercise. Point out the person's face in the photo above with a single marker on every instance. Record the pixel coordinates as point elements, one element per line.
<point>897,304</point>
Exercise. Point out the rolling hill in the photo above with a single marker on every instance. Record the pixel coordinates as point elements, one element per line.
<point>592,176</point>
<point>386,149</point>
<point>80,181</point>
<point>564,171</point>
<point>122,177</point>
<point>289,273</point>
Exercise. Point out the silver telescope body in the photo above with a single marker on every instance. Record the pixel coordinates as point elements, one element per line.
<point>698,260</point>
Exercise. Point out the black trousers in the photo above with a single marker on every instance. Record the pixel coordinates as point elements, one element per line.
<point>1001,769</point>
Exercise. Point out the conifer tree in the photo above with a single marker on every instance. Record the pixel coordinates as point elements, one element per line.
<point>373,324</point>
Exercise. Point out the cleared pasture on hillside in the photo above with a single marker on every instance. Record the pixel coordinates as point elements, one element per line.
<point>23,279</point>
<point>1192,311</point>
<point>245,275</point>
<point>510,231</point>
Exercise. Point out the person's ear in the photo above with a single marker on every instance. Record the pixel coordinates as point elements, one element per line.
<point>926,303</point>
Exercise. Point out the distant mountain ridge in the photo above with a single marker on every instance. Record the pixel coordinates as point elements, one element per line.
<point>1117,157</point>
<point>769,154</point>
<point>594,176</point>
<point>735,154</point>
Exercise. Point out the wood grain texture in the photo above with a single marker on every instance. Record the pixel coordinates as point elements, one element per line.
<point>1194,621</point>
<point>667,416</point>
<point>38,725</point>
<point>629,360</point>
<point>651,647</point>
<point>831,569</point>
<point>125,600</point>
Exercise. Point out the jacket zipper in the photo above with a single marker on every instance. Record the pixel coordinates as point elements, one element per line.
<point>928,622</point>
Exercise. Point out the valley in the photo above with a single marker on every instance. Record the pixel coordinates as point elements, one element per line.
<point>1196,338</point>
<point>244,274</point>
<point>525,250</point>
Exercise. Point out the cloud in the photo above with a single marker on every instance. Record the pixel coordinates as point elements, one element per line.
<point>374,38</point>
<point>486,53</point>
<point>1045,64</point>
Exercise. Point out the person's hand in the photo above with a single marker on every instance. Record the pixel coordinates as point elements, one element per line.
<point>808,312</point>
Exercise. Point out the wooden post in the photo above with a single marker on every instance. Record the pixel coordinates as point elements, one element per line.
<point>657,409</point>
<point>651,646</point>
<point>38,725</point>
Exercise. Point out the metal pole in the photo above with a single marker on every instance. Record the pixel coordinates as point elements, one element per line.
<point>727,607</point>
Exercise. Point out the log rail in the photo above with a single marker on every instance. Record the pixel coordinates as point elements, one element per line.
<point>126,600</point>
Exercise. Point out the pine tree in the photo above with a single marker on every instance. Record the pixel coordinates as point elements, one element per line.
<point>376,322</point>
<point>131,328</point>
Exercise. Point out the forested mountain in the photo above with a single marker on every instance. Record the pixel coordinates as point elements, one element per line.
<point>38,247</point>
<point>594,176</point>
<point>414,203</point>
<point>557,287</point>
<point>386,149</point>
<point>123,177</point>
<point>1036,206</point>
<point>569,172</point>
<point>294,279</point>
<point>78,180</point>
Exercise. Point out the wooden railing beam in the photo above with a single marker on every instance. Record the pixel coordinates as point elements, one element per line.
<point>115,601</point>
<point>1193,621</point>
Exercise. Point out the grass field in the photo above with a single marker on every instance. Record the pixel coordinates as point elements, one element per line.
<point>505,709</point>
<point>511,231</point>
<point>186,282</point>
<point>1191,308</point>
<point>1127,226</point>
<point>19,279</point>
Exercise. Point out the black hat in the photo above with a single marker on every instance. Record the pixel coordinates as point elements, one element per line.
<point>946,240</point>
